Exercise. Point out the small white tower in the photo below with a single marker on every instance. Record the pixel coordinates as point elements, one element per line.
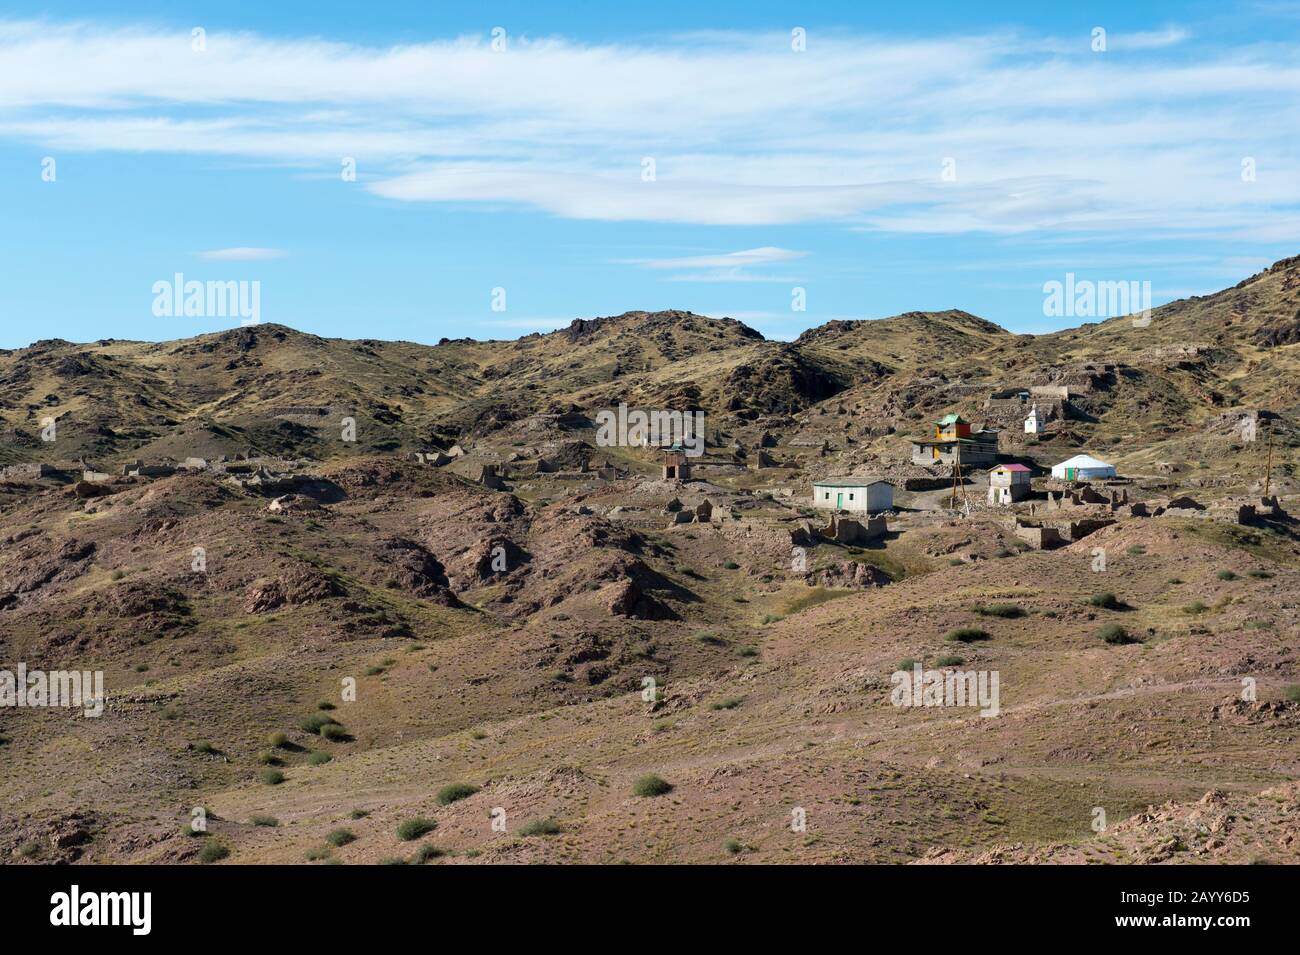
<point>1033,423</point>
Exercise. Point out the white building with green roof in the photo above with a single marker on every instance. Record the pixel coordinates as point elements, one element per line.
<point>854,494</point>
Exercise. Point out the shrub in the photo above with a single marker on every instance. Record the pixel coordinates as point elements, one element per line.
<point>333,732</point>
<point>711,638</point>
<point>269,822</point>
<point>412,829</point>
<point>746,651</point>
<point>771,618</point>
<point>427,852</point>
<point>373,671</point>
<point>1226,575</point>
<point>314,722</point>
<point>731,565</point>
<point>325,705</point>
<point>141,668</point>
<point>733,846</point>
<point>1292,693</point>
<point>272,777</point>
<point>318,759</point>
<point>1137,550</point>
<point>966,635</point>
<point>651,785</point>
<point>213,851</point>
<point>541,827</point>
<point>728,704</point>
<point>316,855</point>
<point>454,792</point>
<point>999,610</point>
<point>907,663</point>
<point>1106,601</point>
<point>276,739</point>
<point>1260,574</point>
<point>341,837</point>
<point>1117,635</point>
<point>392,860</point>
<point>358,813</point>
<point>29,849</point>
<point>204,747</point>
<point>949,661</point>
<point>1195,607</point>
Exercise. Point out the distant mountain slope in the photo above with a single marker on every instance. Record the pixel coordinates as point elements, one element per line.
<point>259,387</point>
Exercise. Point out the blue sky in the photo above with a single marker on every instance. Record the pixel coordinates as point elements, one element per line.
<point>909,156</point>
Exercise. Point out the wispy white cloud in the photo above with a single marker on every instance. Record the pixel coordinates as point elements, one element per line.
<point>241,254</point>
<point>724,267</point>
<point>1044,135</point>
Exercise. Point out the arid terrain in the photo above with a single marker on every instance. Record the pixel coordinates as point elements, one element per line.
<point>526,645</point>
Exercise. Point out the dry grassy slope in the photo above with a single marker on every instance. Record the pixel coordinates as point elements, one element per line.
<point>509,704</point>
<point>214,392</point>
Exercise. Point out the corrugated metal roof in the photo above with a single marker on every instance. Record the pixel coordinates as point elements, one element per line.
<point>850,482</point>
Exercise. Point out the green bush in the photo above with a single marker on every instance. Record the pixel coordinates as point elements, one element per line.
<point>651,785</point>
<point>272,777</point>
<point>276,739</point>
<point>1226,575</point>
<point>412,829</point>
<point>541,827</point>
<point>733,847</point>
<point>333,732</point>
<point>1195,607</point>
<point>269,822</point>
<point>731,565</point>
<point>966,635</point>
<point>1292,693</point>
<point>318,759</point>
<point>730,703</point>
<point>711,638</point>
<point>1117,635</point>
<point>427,852</point>
<point>999,610</point>
<point>1260,574</point>
<point>325,705</point>
<point>949,661</point>
<point>314,722</point>
<point>454,792</point>
<point>341,837</point>
<point>1106,601</point>
<point>213,851</point>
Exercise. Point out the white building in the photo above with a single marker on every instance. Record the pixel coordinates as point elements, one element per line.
<point>1033,424</point>
<point>1009,483</point>
<point>1083,467</point>
<point>864,495</point>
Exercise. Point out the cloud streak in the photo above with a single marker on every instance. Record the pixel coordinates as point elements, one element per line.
<point>999,133</point>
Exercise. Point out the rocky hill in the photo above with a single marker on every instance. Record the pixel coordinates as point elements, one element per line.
<point>529,647</point>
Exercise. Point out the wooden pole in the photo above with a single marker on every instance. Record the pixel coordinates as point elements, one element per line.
<point>1268,468</point>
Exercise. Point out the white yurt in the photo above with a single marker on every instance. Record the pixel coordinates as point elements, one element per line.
<point>1083,467</point>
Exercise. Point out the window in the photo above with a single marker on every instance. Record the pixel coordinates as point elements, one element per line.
<point>850,495</point>
<point>826,496</point>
